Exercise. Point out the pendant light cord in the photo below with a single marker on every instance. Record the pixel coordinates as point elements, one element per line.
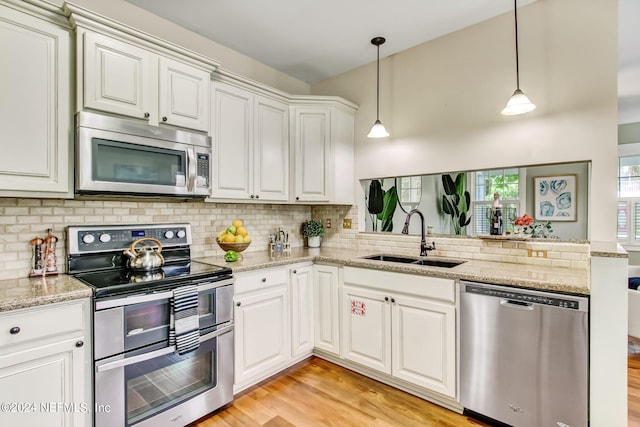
<point>378,85</point>
<point>515,14</point>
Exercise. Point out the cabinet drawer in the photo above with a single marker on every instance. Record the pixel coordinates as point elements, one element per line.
<point>38,323</point>
<point>260,279</point>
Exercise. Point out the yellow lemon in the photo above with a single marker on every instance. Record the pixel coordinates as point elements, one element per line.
<point>228,238</point>
<point>247,238</point>
<point>237,223</point>
<point>239,239</point>
<point>241,231</point>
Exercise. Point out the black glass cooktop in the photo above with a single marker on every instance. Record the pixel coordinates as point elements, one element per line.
<point>120,281</point>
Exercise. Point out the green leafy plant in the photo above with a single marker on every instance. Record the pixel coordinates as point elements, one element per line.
<point>389,207</point>
<point>312,228</point>
<point>456,201</point>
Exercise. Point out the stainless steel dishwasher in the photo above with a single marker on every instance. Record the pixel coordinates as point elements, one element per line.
<point>524,356</point>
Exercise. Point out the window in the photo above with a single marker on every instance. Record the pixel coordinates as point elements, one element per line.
<point>505,182</point>
<point>409,191</point>
<point>628,231</point>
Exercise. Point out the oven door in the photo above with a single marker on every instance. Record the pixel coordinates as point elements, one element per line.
<point>159,387</point>
<point>215,303</point>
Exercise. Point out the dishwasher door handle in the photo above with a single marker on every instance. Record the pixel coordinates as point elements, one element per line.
<point>516,304</point>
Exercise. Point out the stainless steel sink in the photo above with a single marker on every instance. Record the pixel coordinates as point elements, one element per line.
<point>432,262</point>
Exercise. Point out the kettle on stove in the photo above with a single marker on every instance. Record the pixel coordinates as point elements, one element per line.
<point>146,257</point>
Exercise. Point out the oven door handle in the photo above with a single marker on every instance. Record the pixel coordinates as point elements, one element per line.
<point>136,299</point>
<point>157,353</point>
<point>135,359</point>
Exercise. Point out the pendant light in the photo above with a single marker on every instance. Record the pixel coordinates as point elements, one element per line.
<point>378,130</point>
<point>518,103</point>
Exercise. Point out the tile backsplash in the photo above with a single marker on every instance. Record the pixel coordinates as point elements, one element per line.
<point>23,219</point>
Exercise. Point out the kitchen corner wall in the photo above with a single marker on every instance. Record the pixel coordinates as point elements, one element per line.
<point>23,219</point>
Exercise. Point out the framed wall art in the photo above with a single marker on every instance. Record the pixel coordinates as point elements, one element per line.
<point>555,198</point>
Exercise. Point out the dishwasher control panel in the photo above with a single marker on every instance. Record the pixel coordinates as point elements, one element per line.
<point>524,297</point>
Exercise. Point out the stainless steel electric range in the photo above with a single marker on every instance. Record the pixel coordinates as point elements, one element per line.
<point>162,330</point>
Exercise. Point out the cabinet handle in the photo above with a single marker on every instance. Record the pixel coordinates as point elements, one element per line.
<point>164,118</point>
<point>146,115</point>
<point>386,298</point>
<point>238,304</point>
<point>264,279</point>
<point>79,344</point>
<point>14,331</point>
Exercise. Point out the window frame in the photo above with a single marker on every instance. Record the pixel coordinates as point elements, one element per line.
<point>633,215</point>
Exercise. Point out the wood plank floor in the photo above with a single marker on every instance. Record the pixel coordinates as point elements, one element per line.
<point>318,393</point>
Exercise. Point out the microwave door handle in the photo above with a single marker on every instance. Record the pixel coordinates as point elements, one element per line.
<point>191,170</point>
<point>135,359</point>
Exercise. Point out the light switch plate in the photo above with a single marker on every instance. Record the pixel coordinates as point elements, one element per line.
<point>346,223</point>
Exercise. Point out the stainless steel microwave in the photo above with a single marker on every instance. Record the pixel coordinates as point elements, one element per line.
<point>116,156</point>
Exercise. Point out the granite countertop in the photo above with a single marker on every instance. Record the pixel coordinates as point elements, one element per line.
<point>31,292</point>
<point>566,280</point>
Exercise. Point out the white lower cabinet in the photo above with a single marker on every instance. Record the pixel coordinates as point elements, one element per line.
<point>262,326</point>
<point>301,286</point>
<point>45,362</point>
<point>326,300</point>
<point>402,325</point>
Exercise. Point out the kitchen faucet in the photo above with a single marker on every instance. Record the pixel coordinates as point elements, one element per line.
<point>423,243</point>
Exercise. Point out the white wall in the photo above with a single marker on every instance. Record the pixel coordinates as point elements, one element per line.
<point>441,100</point>
<point>231,60</point>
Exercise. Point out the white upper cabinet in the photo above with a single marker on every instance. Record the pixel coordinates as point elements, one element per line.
<point>35,112</point>
<point>126,72</point>
<point>322,141</point>
<point>250,135</point>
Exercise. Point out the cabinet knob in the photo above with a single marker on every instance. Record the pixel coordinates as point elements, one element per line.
<point>164,118</point>
<point>252,196</point>
<point>386,298</point>
<point>295,271</point>
<point>146,115</point>
<point>79,344</point>
<point>297,198</point>
<point>238,304</point>
<point>264,279</point>
<point>14,331</point>
<point>257,196</point>
<point>393,300</point>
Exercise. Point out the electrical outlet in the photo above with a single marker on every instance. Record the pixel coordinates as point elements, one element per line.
<point>328,222</point>
<point>533,253</point>
<point>346,223</point>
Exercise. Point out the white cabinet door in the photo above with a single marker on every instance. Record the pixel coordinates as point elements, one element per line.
<point>184,95</point>
<point>312,154</point>
<point>125,79</point>
<point>326,296</point>
<point>424,343</point>
<point>262,334</point>
<point>366,328</point>
<point>302,337</point>
<point>40,379</point>
<point>117,77</point>
<point>35,114</point>
<point>271,149</point>
<point>231,130</point>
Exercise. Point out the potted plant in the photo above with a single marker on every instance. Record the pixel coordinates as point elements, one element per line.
<point>313,230</point>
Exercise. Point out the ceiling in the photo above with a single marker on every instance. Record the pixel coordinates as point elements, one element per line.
<point>312,41</point>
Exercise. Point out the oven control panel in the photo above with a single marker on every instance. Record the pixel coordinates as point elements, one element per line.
<point>103,238</point>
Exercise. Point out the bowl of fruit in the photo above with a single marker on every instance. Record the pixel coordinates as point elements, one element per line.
<point>234,238</point>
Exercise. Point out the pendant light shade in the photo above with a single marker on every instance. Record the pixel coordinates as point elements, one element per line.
<point>378,130</point>
<point>519,103</point>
